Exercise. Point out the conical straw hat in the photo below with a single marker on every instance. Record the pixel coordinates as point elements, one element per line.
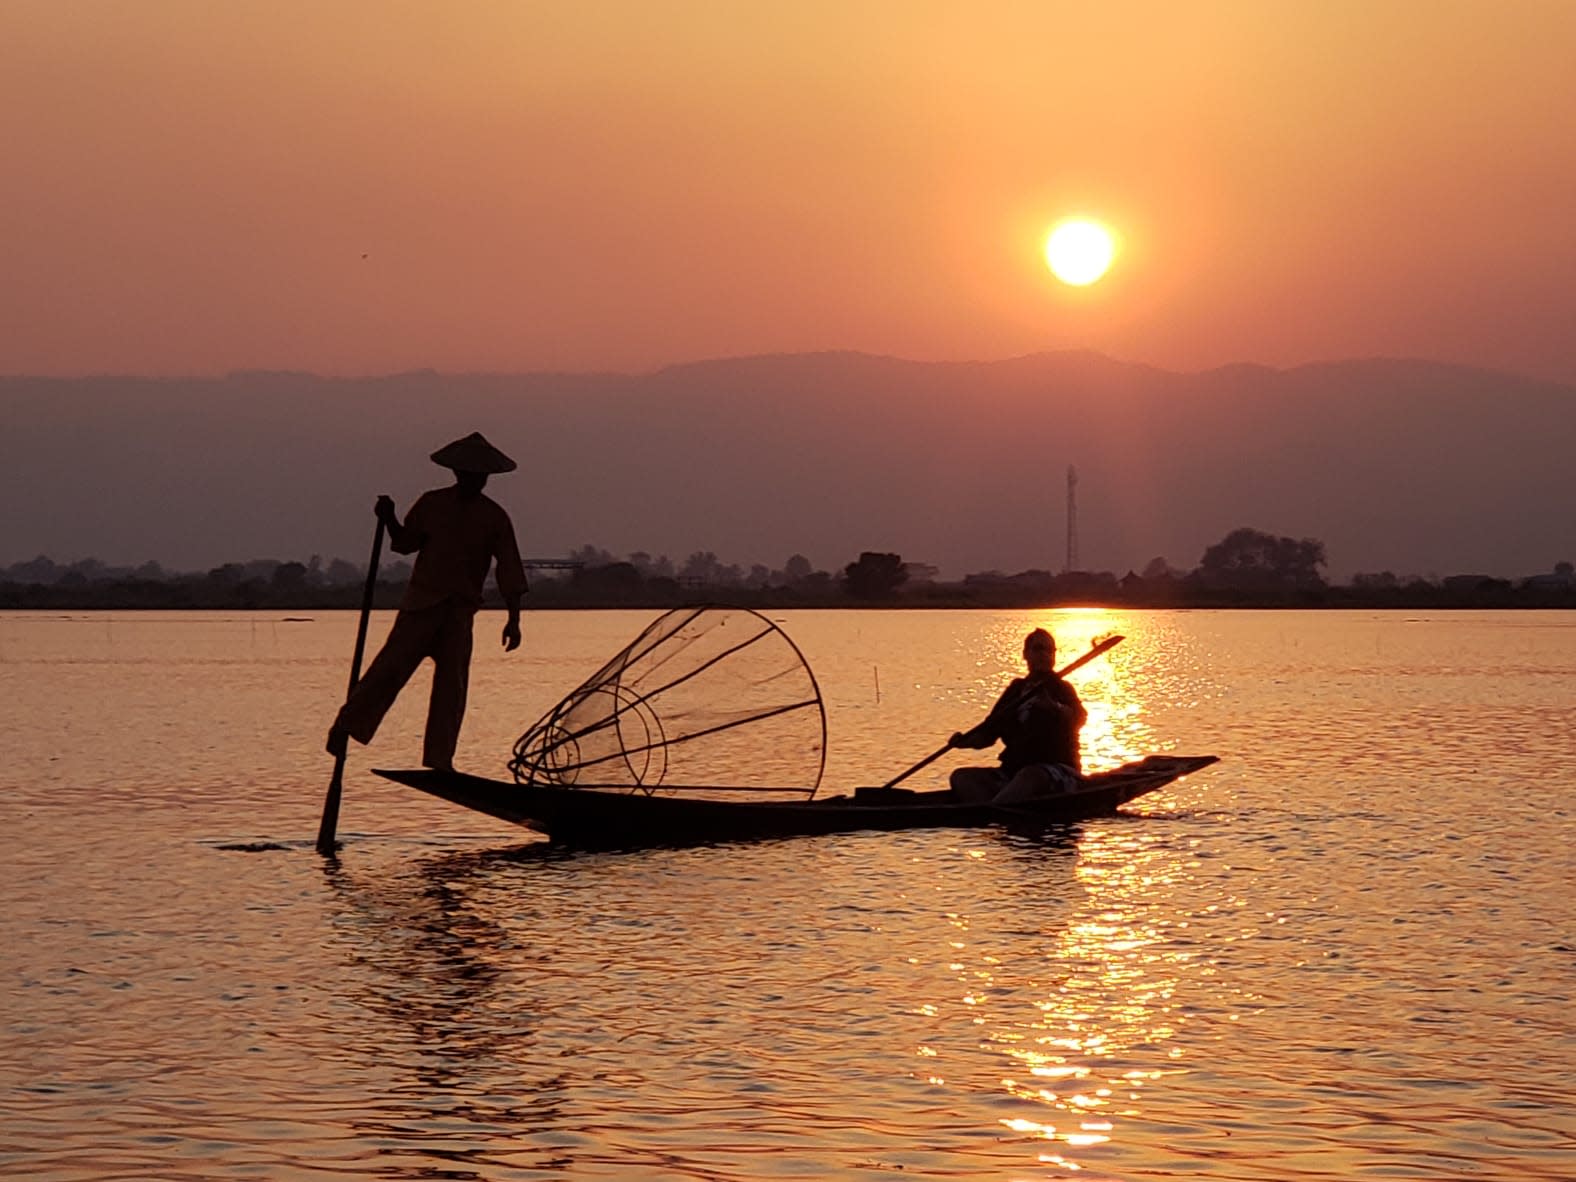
<point>473,454</point>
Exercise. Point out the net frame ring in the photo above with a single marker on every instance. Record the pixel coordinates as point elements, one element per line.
<point>559,757</point>
<point>654,741</point>
<point>540,754</point>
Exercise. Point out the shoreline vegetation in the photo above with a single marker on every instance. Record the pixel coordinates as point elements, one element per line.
<point>1246,569</point>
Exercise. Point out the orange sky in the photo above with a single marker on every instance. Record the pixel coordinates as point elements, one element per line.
<point>354,188</point>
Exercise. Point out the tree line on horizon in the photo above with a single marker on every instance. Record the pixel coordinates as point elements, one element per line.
<point>1245,568</point>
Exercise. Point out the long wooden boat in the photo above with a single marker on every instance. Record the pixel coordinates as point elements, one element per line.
<point>602,819</point>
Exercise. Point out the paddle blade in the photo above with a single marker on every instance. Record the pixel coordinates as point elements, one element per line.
<point>1105,645</point>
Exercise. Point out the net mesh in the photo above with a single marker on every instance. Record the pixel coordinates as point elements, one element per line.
<point>706,698</point>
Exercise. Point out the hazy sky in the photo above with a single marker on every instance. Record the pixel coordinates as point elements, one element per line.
<point>365,187</point>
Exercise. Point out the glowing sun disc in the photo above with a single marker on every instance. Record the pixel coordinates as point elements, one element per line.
<point>1079,251</point>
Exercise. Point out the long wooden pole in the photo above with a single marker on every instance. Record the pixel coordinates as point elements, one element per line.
<point>1108,642</point>
<point>330,822</point>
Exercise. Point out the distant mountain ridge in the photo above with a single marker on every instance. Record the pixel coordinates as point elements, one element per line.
<point>1412,466</point>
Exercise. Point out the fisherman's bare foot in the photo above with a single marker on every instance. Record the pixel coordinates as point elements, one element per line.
<point>444,765</point>
<point>338,742</point>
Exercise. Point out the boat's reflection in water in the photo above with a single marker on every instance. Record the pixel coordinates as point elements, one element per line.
<point>430,967</point>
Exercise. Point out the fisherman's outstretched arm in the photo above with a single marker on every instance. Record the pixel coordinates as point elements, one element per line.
<point>975,737</point>
<point>988,731</point>
<point>404,538</point>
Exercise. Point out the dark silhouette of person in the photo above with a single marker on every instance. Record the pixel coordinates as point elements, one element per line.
<point>457,533</point>
<point>1037,719</point>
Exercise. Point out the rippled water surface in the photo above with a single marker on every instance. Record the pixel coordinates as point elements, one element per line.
<point>1346,951</point>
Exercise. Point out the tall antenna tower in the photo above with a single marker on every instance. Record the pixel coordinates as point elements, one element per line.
<point>1072,519</point>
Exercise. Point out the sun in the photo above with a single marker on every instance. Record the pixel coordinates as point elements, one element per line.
<point>1079,251</point>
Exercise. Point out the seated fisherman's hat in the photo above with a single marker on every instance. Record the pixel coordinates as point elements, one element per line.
<point>473,454</point>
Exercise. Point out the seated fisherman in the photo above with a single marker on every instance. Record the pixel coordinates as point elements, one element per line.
<point>1037,719</point>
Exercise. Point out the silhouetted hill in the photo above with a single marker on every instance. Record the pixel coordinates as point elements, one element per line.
<point>1411,466</point>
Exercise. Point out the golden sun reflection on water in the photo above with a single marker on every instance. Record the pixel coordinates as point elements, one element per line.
<point>1106,1025</point>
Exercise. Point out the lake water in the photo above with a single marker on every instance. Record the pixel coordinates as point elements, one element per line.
<point>1346,951</point>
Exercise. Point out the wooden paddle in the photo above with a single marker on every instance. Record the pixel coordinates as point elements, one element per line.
<point>1108,643</point>
<point>330,822</point>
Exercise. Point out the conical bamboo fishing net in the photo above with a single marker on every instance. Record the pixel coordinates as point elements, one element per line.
<point>705,698</point>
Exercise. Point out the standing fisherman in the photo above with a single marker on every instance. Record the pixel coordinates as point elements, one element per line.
<point>457,534</point>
